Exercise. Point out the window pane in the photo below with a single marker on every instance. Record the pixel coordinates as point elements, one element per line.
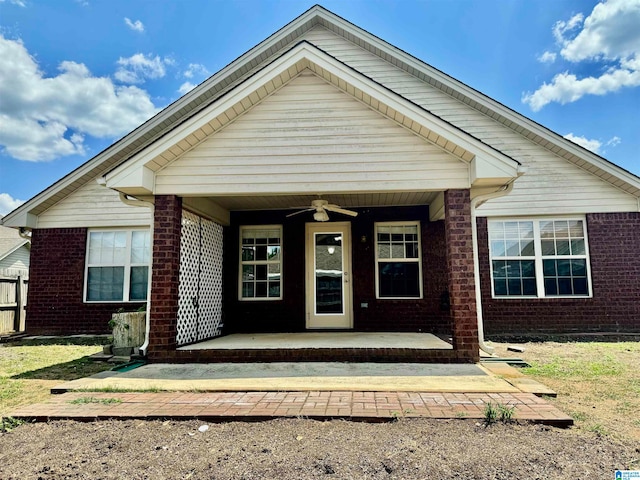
<point>527,248</point>
<point>578,268</point>
<point>248,254</point>
<point>384,250</point>
<point>273,252</point>
<point>497,248</point>
<point>500,286</point>
<point>565,277</point>
<point>580,286</point>
<point>399,279</point>
<point>261,272</point>
<point>248,272</point>
<point>261,252</point>
<point>397,251</point>
<point>577,247</point>
<point>261,289</point>
<point>562,247</point>
<point>499,269</point>
<point>548,247</point>
<point>247,289</point>
<point>411,250</point>
<point>274,289</point>
<point>140,247</point>
<point>105,283</point>
<point>561,229</point>
<point>575,229</point>
<point>546,229</point>
<point>138,283</point>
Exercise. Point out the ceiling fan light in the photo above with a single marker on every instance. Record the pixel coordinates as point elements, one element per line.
<point>321,216</point>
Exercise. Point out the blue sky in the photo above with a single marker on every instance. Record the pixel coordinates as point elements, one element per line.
<point>76,75</point>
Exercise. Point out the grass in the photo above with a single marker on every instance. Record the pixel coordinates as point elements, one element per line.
<point>598,383</point>
<point>27,372</point>
<point>103,401</point>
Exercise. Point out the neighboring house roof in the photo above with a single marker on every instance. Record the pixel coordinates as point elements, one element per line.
<point>273,47</point>
<point>10,241</point>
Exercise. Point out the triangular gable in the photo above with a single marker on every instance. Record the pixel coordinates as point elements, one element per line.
<point>487,165</point>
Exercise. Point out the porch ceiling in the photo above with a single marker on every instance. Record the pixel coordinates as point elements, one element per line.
<point>277,202</point>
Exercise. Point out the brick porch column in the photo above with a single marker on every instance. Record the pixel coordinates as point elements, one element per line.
<point>165,277</point>
<point>457,224</point>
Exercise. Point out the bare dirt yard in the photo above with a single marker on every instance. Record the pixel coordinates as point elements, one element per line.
<point>598,383</point>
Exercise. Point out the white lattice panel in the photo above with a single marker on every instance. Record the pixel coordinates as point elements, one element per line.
<point>210,280</point>
<point>200,289</point>
<point>189,279</point>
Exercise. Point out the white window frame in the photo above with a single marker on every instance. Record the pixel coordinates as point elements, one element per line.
<point>538,257</point>
<point>398,260</point>
<point>127,265</point>
<point>259,262</point>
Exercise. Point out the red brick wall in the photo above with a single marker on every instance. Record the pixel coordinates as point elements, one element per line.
<point>460,263</point>
<point>55,303</point>
<point>614,248</point>
<point>167,225</point>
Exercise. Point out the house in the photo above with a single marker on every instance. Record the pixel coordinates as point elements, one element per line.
<point>14,251</point>
<point>428,207</point>
<point>14,279</point>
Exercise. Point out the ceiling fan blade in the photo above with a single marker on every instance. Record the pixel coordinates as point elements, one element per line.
<point>301,211</point>
<point>337,209</point>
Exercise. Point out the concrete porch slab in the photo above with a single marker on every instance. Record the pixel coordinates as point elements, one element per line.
<point>308,376</point>
<point>305,340</point>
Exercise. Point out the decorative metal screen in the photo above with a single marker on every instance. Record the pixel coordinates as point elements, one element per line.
<point>200,289</point>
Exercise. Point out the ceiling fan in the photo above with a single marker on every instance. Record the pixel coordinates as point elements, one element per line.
<point>321,207</point>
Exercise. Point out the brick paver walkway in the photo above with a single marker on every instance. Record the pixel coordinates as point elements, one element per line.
<point>312,404</point>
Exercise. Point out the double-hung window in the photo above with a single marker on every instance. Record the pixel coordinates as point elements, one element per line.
<point>117,267</point>
<point>261,262</point>
<point>398,260</point>
<point>539,258</point>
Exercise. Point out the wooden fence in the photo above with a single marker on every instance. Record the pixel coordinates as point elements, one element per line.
<point>13,300</point>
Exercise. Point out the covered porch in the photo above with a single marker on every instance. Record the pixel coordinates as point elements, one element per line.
<point>228,256</point>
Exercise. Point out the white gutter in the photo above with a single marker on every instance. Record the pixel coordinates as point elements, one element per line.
<point>475,203</point>
<point>141,203</point>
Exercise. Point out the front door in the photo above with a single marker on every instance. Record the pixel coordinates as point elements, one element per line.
<point>328,248</point>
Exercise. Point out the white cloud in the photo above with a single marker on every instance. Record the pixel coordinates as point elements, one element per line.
<point>20,3</point>
<point>137,68</point>
<point>609,36</point>
<point>136,26</point>
<point>547,57</point>
<point>614,141</point>
<point>46,117</point>
<point>186,87</point>
<point>8,203</point>
<point>195,69</point>
<point>593,145</point>
<point>561,27</point>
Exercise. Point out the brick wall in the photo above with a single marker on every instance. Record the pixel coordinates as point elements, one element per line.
<point>167,225</point>
<point>460,263</point>
<point>615,272</point>
<point>55,303</point>
<point>288,314</point>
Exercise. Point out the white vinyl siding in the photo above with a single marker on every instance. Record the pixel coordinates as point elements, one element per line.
<point>117,265</point>
<point>551,184</point>
<point>398,260</point>
<point>93,205</point>
<point>544,258</point>
<point>310,136</point>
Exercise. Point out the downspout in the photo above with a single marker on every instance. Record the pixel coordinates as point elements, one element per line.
<point>141,203</point>
<point>475,203</point>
